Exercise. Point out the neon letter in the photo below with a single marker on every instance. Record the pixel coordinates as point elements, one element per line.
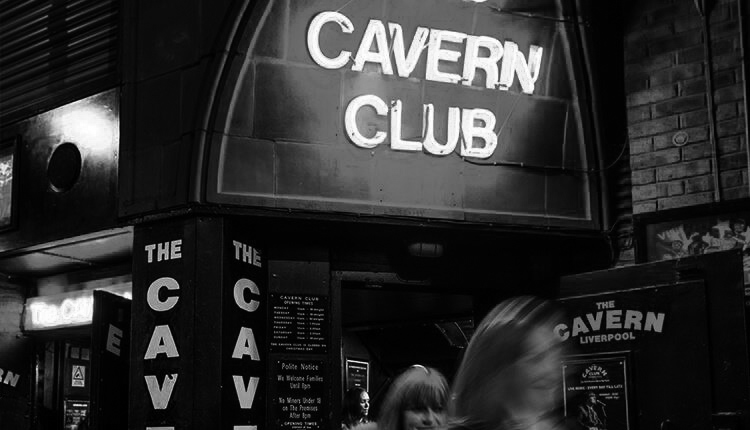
<point>405,63</point>
<point>350,120</point>
<point>396,141</point>
<point>430,144</point>
<point>435,54</point>
<point>485,132</point>
<point>375,31</point>
<point>313,39</point>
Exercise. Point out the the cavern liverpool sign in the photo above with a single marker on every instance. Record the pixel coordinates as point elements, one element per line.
<point>430,108</point>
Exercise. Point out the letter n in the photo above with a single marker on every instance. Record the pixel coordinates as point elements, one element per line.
<point>11,378</point>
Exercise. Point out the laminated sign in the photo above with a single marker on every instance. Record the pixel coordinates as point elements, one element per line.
<point>79,376</point>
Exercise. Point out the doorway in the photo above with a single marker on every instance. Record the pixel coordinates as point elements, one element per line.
<point>388,325</point>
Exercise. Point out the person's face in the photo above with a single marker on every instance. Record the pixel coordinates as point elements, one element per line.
<point>537,376</point>
<point>364,403</point>
<point>592,400</point>
<point>423,419</point>
<point>739,227</point>
<point>676,245</point>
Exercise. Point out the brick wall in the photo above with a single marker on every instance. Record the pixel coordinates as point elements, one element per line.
<point>665,86</point>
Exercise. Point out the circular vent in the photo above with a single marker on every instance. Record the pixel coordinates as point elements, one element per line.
<point>64,167</point>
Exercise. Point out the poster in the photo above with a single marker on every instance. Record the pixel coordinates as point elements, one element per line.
<point>76,412</point>
<point>701,235</point>
<point>298,395</point>
<point>596,391</point>
<point>357,374</point>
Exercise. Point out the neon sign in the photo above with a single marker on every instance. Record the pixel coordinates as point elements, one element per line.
<point>501,62</point>
<point>65,310</point>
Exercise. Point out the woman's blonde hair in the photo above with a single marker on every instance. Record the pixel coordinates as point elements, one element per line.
<point>418,387</point>
<point>497,343</point>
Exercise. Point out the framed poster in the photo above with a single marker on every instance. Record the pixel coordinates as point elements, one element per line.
<point>698,230</point>
<point>8,156</point>
<point>357,374</point>
<point>596,390</point>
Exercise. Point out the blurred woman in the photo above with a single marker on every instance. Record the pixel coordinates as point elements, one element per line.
<point>510,377</point>
<point>416,400</point>
<point>356,408</point>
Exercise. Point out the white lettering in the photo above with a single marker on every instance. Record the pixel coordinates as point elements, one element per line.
<point>161,342</point>
<point>632,320</point>
<point>405,63</point>
<point>313,39</point>
<point>397,142</point>
<point>152,296</point>
<point>245,395</point>
<point>435,54</point>
<point>160,395</point>
<point>239,294</point>
<point>375,31</point>
<point>579,326</point>
<point>654,322</point>
<point>485,132</point>
<point>430,144</point>
<point>350,121</point>
<point>11,378</point>
<point>562,331</point>
<point>114,336</point>
<point>473,61</point>
<point>595,322</point>
<point>246,345</point>
<point>613,319</point>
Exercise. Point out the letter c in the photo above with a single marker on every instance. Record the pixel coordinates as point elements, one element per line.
<point>350,120</point>
<point>152,297</point>
<point>313,39</point>
<point>239,297</point>
<point>562,331</point>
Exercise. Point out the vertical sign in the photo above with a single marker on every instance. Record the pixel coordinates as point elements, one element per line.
<point>162,350</point>
<point>244,304</point>
<point>110,370</point>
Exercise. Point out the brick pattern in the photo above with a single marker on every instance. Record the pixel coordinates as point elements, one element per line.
<point>665,86</point>
<point>11,308</point>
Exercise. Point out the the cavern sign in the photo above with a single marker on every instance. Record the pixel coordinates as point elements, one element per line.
<point>501,62</point>
<point>609,322</point>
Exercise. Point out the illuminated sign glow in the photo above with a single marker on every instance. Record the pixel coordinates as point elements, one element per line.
<point>501,63</point>
<point>65,310</point>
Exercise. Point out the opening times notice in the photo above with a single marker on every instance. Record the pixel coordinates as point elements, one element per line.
<point>298,390</point>
<point>299,323</point>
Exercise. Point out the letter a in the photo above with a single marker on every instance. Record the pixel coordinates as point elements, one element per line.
<point>246,345</point>
<point>160,396</point>
<point>245,395</point>
<point>161,342</point>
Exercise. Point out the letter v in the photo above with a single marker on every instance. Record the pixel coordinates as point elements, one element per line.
<point>245,395</point>
<point>160,396</point>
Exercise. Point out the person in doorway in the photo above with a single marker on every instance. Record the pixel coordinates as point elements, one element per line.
<point>591,414</point>
<point>510,377</point>
<point>416,400</point>
<point>356,407</point>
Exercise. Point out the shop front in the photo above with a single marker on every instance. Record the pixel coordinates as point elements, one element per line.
<point>376,175</point>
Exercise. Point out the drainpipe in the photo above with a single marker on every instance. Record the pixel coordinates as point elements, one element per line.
<point>741,16</point>
<point>704,9</point>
